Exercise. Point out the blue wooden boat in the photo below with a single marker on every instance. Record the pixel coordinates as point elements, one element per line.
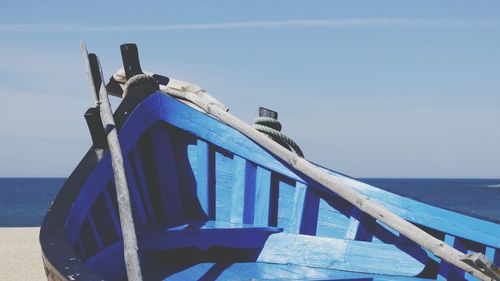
<point>209,202</point>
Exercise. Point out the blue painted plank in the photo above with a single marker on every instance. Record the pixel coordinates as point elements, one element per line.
<point>142,184</point>
<point>331,253</point>
<point>243,191</point>
<point>95,233</point>
<point>109,262</point>
<point>263,200</point>
<point>103,221</point>
<point>305,210</point>
<point>331,222</point>
<point>81,248</point>
<point>285,203</point>
<point>112,212</point>
<point>91,190</point>
<point>490,254</point>
<point>205,179</point>
<point>361,226</point>
<point>135,196</point>
<point>432,217</point>
<point>386,234</point>
<point>203,235</point>
<point>275,272</point>
<point>238,190</point>
<point>223,185</point>
<point>166,172</point>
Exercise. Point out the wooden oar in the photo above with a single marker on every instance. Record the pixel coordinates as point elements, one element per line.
<point>131,255</point>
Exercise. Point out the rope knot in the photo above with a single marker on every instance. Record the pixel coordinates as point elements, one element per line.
<point>268,124</point>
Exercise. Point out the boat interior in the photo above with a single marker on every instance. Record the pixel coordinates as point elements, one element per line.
<point>210,204</point>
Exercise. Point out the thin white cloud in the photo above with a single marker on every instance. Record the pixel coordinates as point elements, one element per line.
<point>320,23</point>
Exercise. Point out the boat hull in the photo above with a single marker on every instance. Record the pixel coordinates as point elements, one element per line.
<point>210,204</point>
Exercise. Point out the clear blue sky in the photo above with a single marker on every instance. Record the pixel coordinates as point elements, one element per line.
<point>369,88</point>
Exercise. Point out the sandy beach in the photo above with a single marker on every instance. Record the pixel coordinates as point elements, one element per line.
<point>20,254</point>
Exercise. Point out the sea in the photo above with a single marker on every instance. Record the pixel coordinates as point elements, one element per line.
<point>24,201</point>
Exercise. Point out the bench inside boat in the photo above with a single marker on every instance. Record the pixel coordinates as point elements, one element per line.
<point>262,252</point>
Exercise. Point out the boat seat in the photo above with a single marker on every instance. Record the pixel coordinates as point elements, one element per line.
<point>341,254</point>
<point>203,235</point>
<point>281,255</point>
<point>288,256</point>
<point>267,271</point>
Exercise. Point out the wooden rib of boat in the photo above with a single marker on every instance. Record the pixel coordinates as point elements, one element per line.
<point>210,202</point>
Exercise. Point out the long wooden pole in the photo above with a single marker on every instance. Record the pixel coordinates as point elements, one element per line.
<point>338,185</point>
<point>124,207</point>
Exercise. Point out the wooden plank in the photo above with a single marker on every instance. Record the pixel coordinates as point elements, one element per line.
<point>490,254</point>
<point>112,212</point>
<point>205,179</point>
<point>432,217</point>
<point>91,190</point>
<point>95,233</point>
<point>243,192</point>
<point>224,180</point>
<point>135,196</point>
<point>332,222</point>
<point>305,210</point>
<point>166,173</point>
<point>262,197</point>
<point>361,226</point>
<point>274,272</point>
<point>331,253</point>
<point>81,247</point>
<point>138,169</point>
<point>204,235</point>
<point>109,262</point>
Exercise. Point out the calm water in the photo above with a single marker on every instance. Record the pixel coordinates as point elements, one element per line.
<point>24,201</point>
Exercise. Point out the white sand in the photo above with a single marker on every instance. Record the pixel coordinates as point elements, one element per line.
<point>20,254</point>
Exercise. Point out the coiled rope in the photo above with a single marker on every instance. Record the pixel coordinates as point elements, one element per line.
<point>272,127</point>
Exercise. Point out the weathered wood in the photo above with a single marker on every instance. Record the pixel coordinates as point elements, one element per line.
<point>137,206</point>
<point>125,211</point>
<point>262,197</point>
<point>243,191</point>
<point>112,212</point>
<point>331,253</point>
<point>305,210</point>
<point>205,179</point>
<point>205,235</point>
<point>167,174</point>
<point>360,226</point>
<point>331,182</point>
<point>142,184</point>
<point>95,233</point>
